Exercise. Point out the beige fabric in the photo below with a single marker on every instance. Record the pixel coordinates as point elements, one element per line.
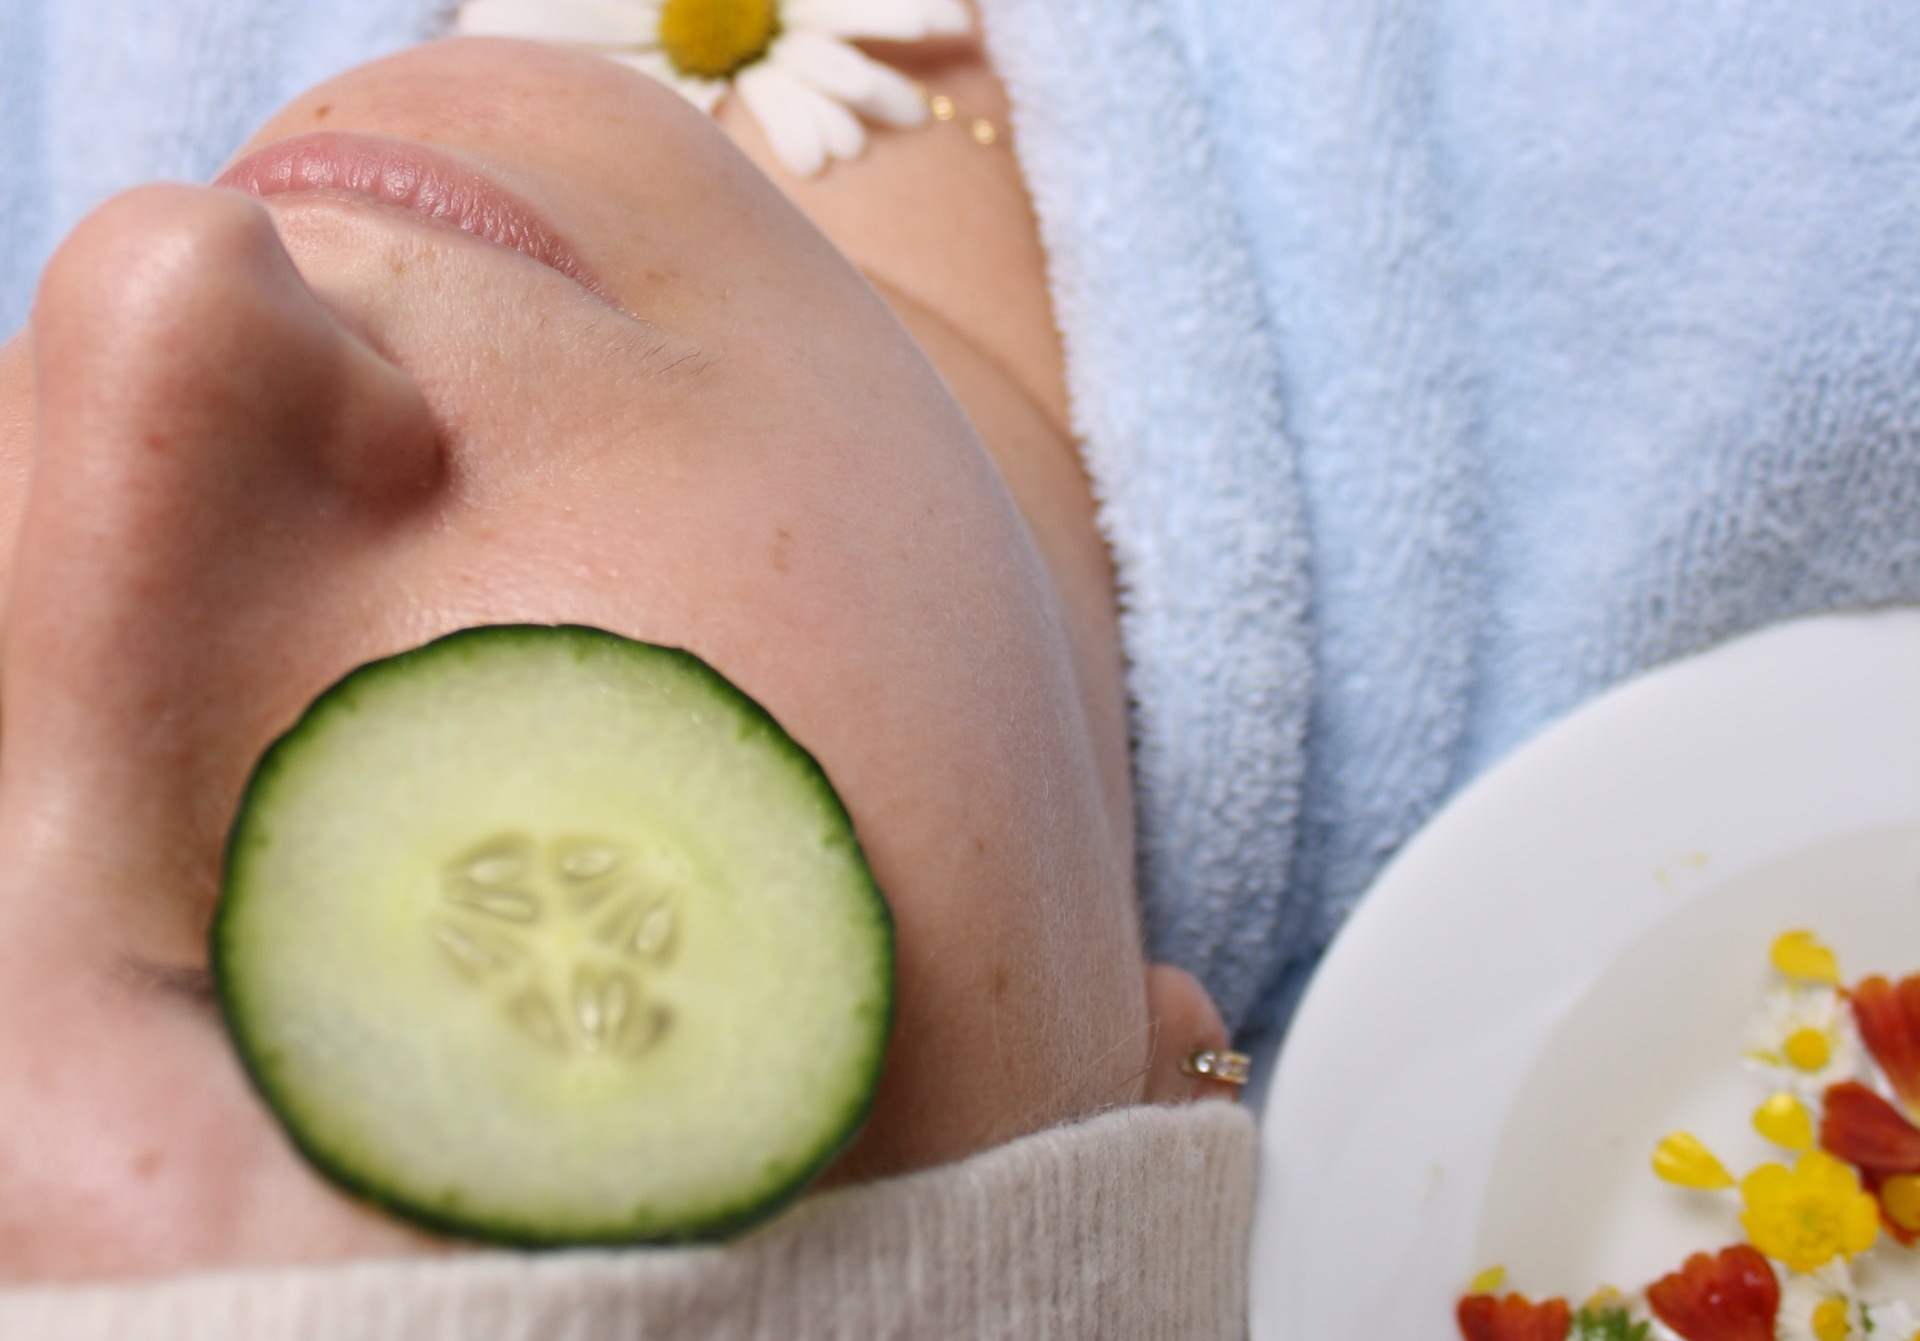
<point>1134,1224</point>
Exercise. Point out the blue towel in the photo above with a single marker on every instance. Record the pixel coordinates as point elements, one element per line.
<point>100,95</point>
<point>1437,364</point>
<point>1585,334</point>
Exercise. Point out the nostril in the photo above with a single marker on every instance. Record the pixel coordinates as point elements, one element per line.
<point>174,318</point>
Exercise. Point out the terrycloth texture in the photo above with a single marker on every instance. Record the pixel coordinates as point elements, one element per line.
<point>100,95</point>
<point>1132,1225</point>
<point>1438,363</point>
<point>1597,328</point>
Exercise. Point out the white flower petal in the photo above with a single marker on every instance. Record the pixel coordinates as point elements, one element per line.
<point>870,88</point>
<point>610,23</point>
<point>840,129</point>
<point>894,20</point>
<point>702,93</point>
<point>894,100</point>
<point>784,108</point>
<point>1891,1318</point>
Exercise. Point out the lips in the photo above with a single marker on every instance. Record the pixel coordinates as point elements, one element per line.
<point>412,177</point>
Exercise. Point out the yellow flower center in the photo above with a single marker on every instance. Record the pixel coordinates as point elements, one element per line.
<point>1808,1049</point>
<point>1830,1320</point>
<point>711,39</point>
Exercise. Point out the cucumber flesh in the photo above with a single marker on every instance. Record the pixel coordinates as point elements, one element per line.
<point>544,936</point>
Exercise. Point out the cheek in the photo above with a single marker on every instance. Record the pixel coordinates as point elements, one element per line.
<point>129,1142</point>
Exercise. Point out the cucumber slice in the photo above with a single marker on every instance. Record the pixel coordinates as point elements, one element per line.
<point>545,936</point>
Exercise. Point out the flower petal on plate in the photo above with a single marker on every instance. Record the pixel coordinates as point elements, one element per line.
<point>1681,1159</point>
<point>608,23</point>
<point>784,108</point>
<point>1784,1120</point>
<point>862,83</point>
<point>1868,1132</point>
<point>893,20</point>
<point>1483,1318</point>
<point>1888,1017</point>
<point>1731,1296</point>
<point>1802,956</point>
<point>1899,1198</point>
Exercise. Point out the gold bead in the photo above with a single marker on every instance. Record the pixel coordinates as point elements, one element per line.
<point>941,106</point>
<point>983,131</point>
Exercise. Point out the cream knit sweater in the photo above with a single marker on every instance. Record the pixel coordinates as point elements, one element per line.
<point>1133,1224</point>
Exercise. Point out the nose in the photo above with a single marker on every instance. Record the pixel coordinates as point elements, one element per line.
<point>214,448</point>
<point>221,463</point>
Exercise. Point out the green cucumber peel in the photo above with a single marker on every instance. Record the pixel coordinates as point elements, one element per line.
<point>543,936</point>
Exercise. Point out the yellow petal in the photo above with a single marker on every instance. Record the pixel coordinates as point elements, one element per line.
<point>1488,1281</point>
<point>1766,1182</point>
<point>1801,956</point>
<point>1900,1195</point>
<point>1785,1121</point>
<point>1823,1174</point>
<point>1680,1158</point>
<point>1862,1225</point>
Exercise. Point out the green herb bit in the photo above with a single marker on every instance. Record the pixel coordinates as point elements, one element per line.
<point>1606,1324</point>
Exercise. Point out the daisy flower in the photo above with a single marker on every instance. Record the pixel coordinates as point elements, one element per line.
<point>790,61</point>
<point>1822,1306</point>
<point>1804,1039</point>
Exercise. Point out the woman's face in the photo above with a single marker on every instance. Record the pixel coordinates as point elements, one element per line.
<point>248,443</point>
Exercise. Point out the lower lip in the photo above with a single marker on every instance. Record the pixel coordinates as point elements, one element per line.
<point>412,177</point>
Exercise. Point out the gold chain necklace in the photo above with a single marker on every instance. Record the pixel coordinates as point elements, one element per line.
<point>943,108</point>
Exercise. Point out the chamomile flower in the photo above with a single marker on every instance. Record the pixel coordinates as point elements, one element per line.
<point>1822,1306</point>
<point>1804,1039</point>
<point>790,61</point>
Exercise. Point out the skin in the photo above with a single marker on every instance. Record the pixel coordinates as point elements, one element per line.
<point>246,445</point>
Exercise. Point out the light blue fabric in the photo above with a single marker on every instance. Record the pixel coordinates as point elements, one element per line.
<point>1438,364</point>
<point>100,95</point>
<point>1594,327</point>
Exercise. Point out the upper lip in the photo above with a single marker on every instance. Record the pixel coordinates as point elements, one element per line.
<point>413,177</point>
